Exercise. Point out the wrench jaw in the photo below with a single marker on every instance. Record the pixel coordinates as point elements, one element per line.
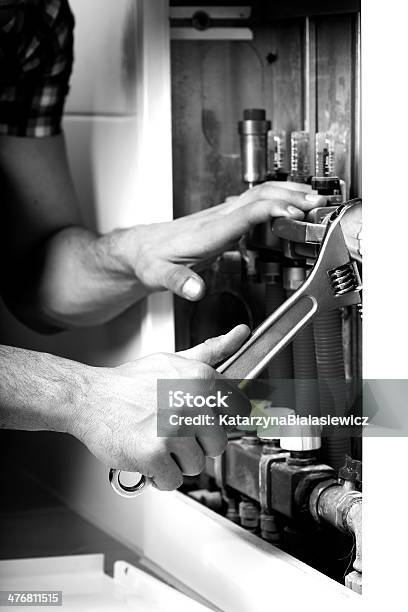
<point>340,284</point>
<point>303,239</point>
<point>344,276</point>
<point>333,283</point>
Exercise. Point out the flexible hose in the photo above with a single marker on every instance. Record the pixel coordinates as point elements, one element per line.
<point>305,372</point>
<point>328,335</point>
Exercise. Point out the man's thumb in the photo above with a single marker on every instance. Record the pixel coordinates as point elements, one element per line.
<point>215,350</point>
<point>183,282</point>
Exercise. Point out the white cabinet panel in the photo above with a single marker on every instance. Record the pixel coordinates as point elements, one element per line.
<point>103,155</point>
<point>85,586</point>
<point>108,57</point>
<point>227,566</point>
<point>113,161</point>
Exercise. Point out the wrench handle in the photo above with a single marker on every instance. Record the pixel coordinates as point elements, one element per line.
<point>249,361</point>
<point>270,338</point>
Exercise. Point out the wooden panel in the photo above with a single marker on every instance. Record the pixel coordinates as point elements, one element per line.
<point>335,63</point>
<point>212,84</point>
<point>282,8</point>
<point>302,72</point>
<point>299,8</point>
<point>287,79</point>
<point>209,92</point>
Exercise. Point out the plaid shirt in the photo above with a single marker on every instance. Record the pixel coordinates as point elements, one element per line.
<point>36,57</point>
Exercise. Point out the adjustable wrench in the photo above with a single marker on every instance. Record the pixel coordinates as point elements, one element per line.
<point>334,282</point>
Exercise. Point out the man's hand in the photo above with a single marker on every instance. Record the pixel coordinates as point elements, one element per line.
<point>118,419</point>
<point>351,224</point>
<point>162,255</point>
<point>60,275</point>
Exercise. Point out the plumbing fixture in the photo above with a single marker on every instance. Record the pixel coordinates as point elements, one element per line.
<point>253,131</point>
<point>300,157</point>
<point>326,288</point>
<point>320,292</point>
<point>339,503</point>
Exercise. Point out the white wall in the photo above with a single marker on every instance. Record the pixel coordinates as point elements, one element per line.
<point>118,130</point>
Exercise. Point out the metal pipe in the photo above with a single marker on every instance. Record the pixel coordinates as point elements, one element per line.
<point>340,505</point>
<point>253,131</point>
<point>354,523</point>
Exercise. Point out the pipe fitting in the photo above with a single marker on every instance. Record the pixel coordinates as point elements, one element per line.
<point>315,497</point>
<point>270,272</point>
<point>269,528</point>
<point>249,514</point>
<point>353,581</point>
<point>293,277</point>
<point>354,523</point>
<point>340,505</point>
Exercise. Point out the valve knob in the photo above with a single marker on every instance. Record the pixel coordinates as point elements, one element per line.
<point>351,471</point>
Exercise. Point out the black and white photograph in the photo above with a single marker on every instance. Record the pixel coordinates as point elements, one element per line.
<point>193,397</point>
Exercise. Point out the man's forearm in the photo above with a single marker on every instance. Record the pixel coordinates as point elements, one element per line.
<point>39,391</point>
<point>58,274</point>
<point>80,279</point>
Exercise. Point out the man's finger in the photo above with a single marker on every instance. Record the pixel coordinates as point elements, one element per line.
<point>242,219</point>
<point>188,455</point>
<point>290,185</point>
<point>214,350</point>
<point>182,281</point>
<point>303,200</point>
<point>213,444</point>
<point>167,475</point>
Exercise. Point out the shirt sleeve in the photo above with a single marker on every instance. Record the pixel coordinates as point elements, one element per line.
<point>38,51</point>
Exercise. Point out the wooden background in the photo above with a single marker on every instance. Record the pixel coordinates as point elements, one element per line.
<point>303,71</point>
<point>312,83</point>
